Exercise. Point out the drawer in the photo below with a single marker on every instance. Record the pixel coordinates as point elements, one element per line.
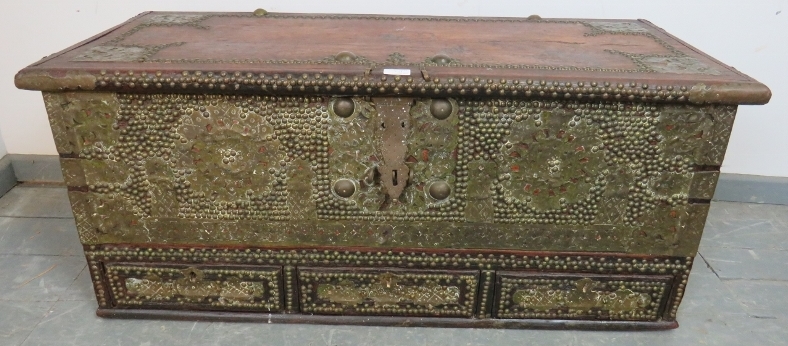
<point>581,296</point>
<point>196,287</point>
<point>387,292</point>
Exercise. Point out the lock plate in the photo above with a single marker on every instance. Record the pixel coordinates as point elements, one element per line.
<point>393,150</point>
<point>392,142</point>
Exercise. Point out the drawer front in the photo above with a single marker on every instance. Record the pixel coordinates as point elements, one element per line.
<point>388,292</point>
<point>581,296</point>
<point>196,287</point>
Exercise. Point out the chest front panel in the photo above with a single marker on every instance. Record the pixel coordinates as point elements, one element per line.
<point>389,171</point>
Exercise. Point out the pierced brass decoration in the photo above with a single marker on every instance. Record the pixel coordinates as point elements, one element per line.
<point>365,292</point>
<point>575,296</point>
<point>583,297</point>
<point>152,287</point>
<point>206,288</point>
<point>386,292</point>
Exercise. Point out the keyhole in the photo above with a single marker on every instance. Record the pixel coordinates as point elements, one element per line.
<point>394,177</point>
<point>403,124</point>
<point>192,276</point>
<point>383,125</point>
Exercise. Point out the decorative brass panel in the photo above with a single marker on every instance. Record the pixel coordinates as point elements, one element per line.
<point>388,292</point>
<point>534,175</point>
<point>199,287</point>
<point>577,296</point>
<point>421,148</point>
<point>73,175</point>
<point>703,185</point>
<point>716,143</point>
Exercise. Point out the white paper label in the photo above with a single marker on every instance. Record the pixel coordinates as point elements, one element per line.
<point>397,71</point>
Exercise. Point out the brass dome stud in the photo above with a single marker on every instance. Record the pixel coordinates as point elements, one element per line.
<point>343,107</point>
<point>441,108</point>
<point>345,56</point>
<point>439,190</point>
<point>441,59</point>
<point>344,188</point>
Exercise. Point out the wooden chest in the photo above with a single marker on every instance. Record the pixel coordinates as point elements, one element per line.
<point>383,170</point>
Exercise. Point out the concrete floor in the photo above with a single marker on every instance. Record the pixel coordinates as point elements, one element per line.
<point>737,292</point>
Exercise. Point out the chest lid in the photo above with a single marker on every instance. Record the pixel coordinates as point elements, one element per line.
<point>283,53</point>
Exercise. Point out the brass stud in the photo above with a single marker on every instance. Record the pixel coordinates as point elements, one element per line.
<point>343,107</point>
<point>439,190</point>
<point>345,56</point>
<point>344,188</point>
<point>441,59</point>
<point>441,108</point>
